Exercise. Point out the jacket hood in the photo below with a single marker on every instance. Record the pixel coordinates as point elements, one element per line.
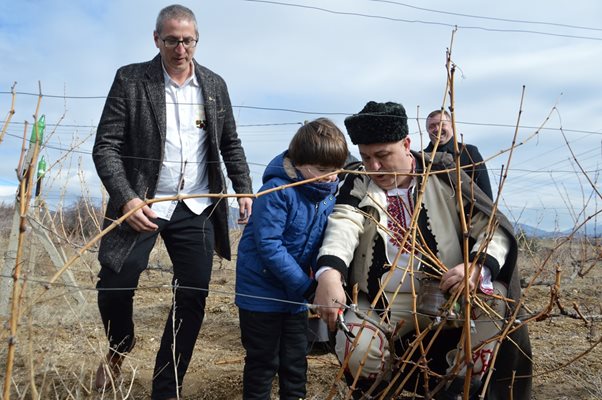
<point>281,167</point>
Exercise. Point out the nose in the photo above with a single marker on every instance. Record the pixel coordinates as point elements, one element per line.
<point>331,178</point>
<point>180,48</point>
<point>373,165</point>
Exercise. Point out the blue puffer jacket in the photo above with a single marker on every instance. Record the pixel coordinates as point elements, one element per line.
<point>279,245</point>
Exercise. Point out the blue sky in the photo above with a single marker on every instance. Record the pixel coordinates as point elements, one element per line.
<point>281,59</point>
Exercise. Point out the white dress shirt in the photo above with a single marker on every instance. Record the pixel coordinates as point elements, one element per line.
<point>184,168</point>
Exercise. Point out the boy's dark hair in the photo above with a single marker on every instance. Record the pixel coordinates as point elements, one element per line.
<point>319,142</point>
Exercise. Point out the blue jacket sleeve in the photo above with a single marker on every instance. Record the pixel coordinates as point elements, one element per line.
<point>270,213</point>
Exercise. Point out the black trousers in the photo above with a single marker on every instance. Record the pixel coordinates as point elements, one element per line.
<point>190,243</point>
<point>275,343</point>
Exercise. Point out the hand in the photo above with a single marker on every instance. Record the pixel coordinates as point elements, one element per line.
<point>139,220</point>
<point>245,207</point>
<point>329,288</point>
<point>453,279</point>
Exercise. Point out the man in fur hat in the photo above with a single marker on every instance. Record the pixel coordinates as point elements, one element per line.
<point>394,229</point>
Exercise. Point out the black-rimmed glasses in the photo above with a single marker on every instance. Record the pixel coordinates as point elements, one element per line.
<point>172,43</point>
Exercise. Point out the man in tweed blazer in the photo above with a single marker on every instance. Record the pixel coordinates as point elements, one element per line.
<point>164,126</point>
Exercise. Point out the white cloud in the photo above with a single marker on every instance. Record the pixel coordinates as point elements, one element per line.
<point>7,192</point>
<point>290,57</point>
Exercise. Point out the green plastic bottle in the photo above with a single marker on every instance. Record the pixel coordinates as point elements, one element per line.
<point>41,124</point>
<point>41,167</point>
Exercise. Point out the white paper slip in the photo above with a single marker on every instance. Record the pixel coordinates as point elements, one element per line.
<point>164,209</point>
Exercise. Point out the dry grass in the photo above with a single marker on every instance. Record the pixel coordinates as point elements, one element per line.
<point>60,343</point>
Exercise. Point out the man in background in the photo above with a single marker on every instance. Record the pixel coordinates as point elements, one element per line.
<point>469,154</point>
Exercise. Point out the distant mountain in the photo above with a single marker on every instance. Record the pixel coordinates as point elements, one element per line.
<point>532,231</point>
<point>589,230</point>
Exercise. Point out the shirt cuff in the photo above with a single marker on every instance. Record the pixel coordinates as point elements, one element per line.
<point>322,270</point>
<point>486,283</point>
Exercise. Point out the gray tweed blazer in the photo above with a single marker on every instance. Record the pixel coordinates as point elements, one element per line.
<point>129,149</point>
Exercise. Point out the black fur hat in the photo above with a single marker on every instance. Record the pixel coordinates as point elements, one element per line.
<point>378,123</point>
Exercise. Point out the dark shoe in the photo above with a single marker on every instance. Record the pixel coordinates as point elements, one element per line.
<point>110,369</point>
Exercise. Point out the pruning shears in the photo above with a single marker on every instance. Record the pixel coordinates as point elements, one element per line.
<point>343,326</point>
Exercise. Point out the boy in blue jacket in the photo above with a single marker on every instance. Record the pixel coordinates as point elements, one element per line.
<point>276,254</point>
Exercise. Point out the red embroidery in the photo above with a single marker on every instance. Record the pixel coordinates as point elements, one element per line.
<point>400,216</point>
<point>376,337</point>
<point>484,356</point>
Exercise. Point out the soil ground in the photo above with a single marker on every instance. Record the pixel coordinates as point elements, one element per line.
<point>59,343</point>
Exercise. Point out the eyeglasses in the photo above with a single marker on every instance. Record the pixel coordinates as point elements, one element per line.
<point>172,43</point>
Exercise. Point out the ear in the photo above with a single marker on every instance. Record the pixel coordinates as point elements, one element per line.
<point>406,143</point>
<point>156,38</point>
